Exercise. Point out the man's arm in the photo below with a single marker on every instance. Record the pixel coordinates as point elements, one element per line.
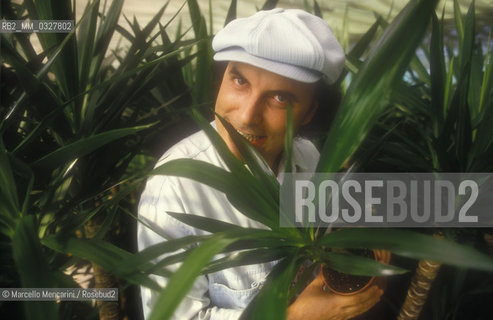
<point>159,197</point>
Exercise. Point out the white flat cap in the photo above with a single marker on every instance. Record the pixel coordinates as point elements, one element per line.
<point>289,42</point>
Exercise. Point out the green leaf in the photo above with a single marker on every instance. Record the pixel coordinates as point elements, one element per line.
<point>33,268</point>
<point>244,258</point>
<point>448,85</point>
<point>474,95</point>
<point>259,238</point>
<point>459,24</point>
<point>288,141</point>
<point>316,9</point>
<point>86,41</point>
<point>244,197</point>
<point>28,81</point>
<point>233,163</point>
<point>9,201</point>
<point>409,244</point>
<point>32,83</point>
<point>484,135</point>
<point>487,82</point>
<point>269,4</point>
<point>268,184</point>
<point>65,67</point>
<point>195,15</point>
<point>272,301</point>
<point>102,253</point>
<point>84,146</point>
<point>458,121</point>
<point>357,265</point>
<point>211,19</point>
<point>231,15</point>
<point>369,92</point>
<point>419,71</point>
<point>204,223</point>
<point>438,75</point>
<point>104,34</point>
<point>203,77</point>
<point>363,43</point>
<point>182,280</point>
<point>142,259</point>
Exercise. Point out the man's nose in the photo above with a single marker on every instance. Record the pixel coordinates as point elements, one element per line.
<point>251,111</point>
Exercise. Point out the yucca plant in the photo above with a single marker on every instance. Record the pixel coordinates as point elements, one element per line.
<point>439,122</point>
<point>439,118</point>
<point>379,79</point>
<point>79,124</point>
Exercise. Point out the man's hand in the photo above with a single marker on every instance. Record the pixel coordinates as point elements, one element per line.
<point>316,304</point>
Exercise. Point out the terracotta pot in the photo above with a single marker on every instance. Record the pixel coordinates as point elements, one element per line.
<point>346,284</point>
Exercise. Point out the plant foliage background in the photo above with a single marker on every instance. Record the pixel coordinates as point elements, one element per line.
<point>82,122</point>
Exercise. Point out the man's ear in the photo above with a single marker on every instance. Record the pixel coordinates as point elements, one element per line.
<point>310,114</point>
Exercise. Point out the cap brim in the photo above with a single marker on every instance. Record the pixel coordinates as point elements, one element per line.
<point>286,70</point>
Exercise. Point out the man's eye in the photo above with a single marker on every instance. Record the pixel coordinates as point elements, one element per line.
<point>239,81</point>
<point>280,98</point>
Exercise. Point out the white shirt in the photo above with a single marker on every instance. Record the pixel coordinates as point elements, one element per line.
<point>223,294</point>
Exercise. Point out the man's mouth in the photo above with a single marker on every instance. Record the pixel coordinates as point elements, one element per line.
<point>252,138</point>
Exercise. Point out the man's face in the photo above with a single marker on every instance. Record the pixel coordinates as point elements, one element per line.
<point>255,101</point>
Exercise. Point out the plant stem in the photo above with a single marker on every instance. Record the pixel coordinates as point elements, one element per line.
<point>419,289</point>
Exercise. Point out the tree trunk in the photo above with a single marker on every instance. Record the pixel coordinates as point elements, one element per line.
<point>108,310</point>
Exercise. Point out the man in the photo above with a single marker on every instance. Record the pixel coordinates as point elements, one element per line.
<point>273,58</point>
